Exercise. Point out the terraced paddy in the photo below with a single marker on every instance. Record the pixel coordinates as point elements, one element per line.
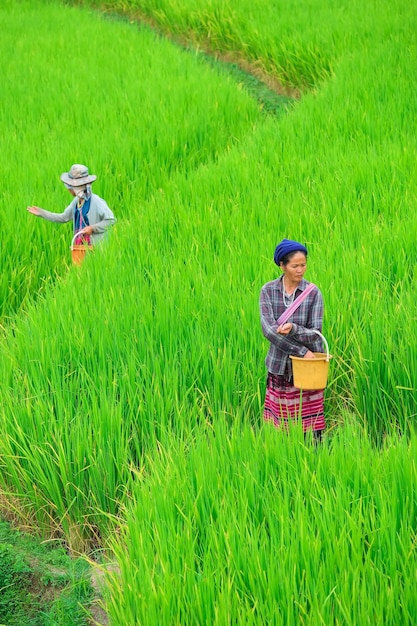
<point>132,387</point>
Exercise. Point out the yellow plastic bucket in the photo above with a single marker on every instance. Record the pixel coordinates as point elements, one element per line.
<point>311,374</point>
<point>78,251</point>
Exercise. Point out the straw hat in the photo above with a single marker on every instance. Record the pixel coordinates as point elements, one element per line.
<point>77,176</point>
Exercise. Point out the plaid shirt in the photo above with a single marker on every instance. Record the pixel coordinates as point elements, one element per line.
<point>307,317</point>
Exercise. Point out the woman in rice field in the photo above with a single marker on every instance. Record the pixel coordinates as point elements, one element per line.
<point>283,401</point>
<point>90,214</point>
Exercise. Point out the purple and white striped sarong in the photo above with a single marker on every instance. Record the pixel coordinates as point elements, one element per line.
<point>284,404</point>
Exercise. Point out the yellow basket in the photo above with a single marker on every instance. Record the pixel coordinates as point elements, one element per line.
<point>79,250</point>
<point>311,374</point>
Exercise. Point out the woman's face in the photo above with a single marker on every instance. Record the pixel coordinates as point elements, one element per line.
<point>70,189</point>
<point>295,268</point>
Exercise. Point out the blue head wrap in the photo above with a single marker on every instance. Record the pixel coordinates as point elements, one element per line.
<point>285,247</point>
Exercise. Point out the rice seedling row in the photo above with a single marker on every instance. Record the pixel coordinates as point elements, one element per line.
<point>132,387</point>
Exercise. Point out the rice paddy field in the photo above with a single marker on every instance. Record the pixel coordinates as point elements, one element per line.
<point>132,386</point>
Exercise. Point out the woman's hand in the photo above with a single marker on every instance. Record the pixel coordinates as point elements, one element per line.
<point>309,355</point>
<point>35,210</point>
<point>87,230</point>
<point>284,329</point>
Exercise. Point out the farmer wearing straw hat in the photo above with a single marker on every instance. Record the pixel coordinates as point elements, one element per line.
<point>297,336</point>
<point>90,214</point>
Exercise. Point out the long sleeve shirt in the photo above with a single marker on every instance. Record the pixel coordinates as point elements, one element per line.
<point>307,318</point>
<point>100,217</point>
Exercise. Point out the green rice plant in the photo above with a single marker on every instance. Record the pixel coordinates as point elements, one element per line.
<point>130,73</point>
<point>169,360</point>
<point>298,44</point>
<point>156,338</point>
<point>269,531</point>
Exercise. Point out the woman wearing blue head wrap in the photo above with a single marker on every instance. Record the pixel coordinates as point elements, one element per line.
<point>297,336</point>
<point>286,247</point>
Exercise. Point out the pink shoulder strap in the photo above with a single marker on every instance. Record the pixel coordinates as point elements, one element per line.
<point>294,306</point>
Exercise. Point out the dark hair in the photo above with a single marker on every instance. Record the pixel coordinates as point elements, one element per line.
<point>287,258</point>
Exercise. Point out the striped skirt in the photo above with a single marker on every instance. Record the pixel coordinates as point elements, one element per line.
<point>285,403</point>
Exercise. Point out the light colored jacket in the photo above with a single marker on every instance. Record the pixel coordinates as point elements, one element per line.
<point>100,216</point>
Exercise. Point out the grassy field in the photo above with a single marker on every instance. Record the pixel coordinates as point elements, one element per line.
<point>270,532</point>
<point>132,387</point>
<point>99,110</point>
<point>40,584</point>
